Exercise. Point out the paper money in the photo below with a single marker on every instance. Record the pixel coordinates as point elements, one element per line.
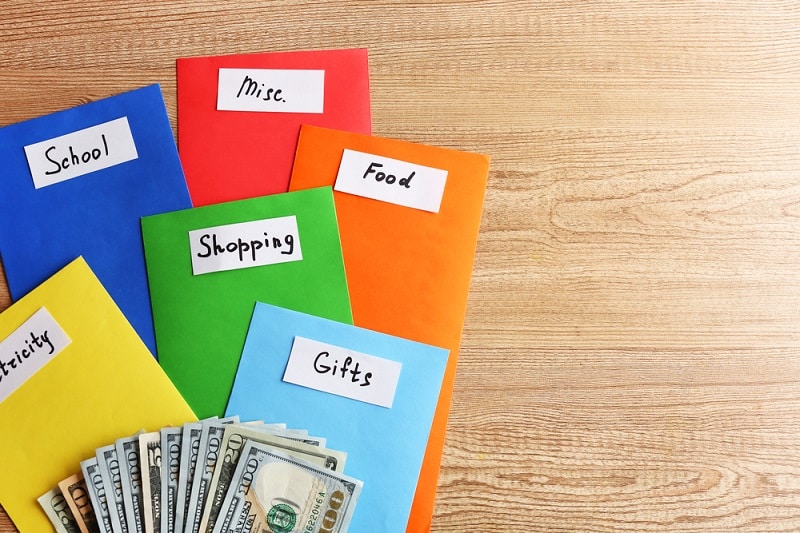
<point>150,459</point>
<point>272,492</point>
<point>190,445</point>
<point>131,479</point>
<point>210,444</point>
<point>299,435</point>
<point>232,443</point>
<point>108,465</point>
<point>97,493</point>
<point>170,470</point>
<point>56,508</point>
<point>74,490</point>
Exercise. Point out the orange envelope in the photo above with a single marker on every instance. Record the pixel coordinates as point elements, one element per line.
<point>408,268</point>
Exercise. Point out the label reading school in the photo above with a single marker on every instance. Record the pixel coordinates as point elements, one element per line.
<point>81,152</point>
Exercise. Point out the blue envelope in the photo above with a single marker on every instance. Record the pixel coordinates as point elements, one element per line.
<point>385,445</point>
<point>77,182</point>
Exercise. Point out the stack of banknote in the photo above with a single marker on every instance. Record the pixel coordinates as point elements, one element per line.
<point>214,476</point>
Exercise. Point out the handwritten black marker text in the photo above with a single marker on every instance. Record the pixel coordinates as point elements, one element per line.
<point>321,368</point>
<point>251,87</point>
<point>74,159</point>
<point>388,179</point>
<point>33,346</point>
<point>243,248</point>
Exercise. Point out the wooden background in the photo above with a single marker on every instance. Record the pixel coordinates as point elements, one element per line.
<point>631,356</point>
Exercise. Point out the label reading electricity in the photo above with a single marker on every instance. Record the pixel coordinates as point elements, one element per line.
<point>28,349</point>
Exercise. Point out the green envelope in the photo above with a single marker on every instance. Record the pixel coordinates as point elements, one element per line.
<point>208,266</point>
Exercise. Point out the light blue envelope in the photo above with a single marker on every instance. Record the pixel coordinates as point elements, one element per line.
<point>384,446</point>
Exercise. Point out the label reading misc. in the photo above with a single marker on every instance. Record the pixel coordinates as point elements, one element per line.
<point>81,152</point>
<point>391,180</point>
<point>271,90</point>
<point>31,346</point>
<point>336,370</point>
<point>245,244</point>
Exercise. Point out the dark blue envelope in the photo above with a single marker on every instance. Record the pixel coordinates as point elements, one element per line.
<point>77,182</point>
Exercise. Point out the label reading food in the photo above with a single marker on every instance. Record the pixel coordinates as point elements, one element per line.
<point>391,180</point>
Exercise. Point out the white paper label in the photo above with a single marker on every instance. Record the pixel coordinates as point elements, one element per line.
<point>31,346</point>
<point>81,152</point>
<point>271,91</point>
<point>245,244</point>
<point>391,180</point>
<point>336,370</point>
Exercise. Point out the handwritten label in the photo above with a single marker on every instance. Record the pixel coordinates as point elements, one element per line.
<point>81,152</point>
<point>271,91</point>
<point>245,244</point>
<point>31,346</point>
<point>391,180</point>
<point>336,370</point>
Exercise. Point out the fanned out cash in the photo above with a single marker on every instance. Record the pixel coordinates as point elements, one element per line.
<point>274,492</point>
<point>211,476</point>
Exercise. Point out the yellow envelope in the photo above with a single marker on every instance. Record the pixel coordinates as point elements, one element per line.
<point>74,376</point>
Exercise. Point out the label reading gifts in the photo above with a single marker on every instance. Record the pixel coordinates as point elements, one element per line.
<point>391,180</point>
<point>81,152</point>
<point>271,90</point>
<point>336,370</point>
<point>245,244</point>
<point>31,346</point>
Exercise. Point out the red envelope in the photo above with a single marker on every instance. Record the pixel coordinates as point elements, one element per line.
<point>233,154</point>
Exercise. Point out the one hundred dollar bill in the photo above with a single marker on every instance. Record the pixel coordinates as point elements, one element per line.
<point>257,424</point>
<point>108,465</point>
<point>190,446</point>
<point>57,510</point>
<point>273,492</point>
<point>150,459</point>
<point>97,493</point>
<point>131,478</point>
<point>75,493</point>
<point>210,445</point>
<point>170,471</point>
<point>232,444</point>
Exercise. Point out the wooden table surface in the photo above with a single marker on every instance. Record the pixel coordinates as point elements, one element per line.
<point>631,354</point>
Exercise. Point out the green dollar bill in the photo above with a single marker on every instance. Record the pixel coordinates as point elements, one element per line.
<point>77,496</point>
<point>131,478</point>
<point>109,467</point>
<point>273,492</point>
<point>150,458</point>
<point>210,443</point>
<point>97,493</point>
<point>190,447</point>
<point>56,508</point>
<point>232,444</point>
<point>170,471</point>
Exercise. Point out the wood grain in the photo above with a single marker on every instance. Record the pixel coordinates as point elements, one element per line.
<point>631,357</point>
